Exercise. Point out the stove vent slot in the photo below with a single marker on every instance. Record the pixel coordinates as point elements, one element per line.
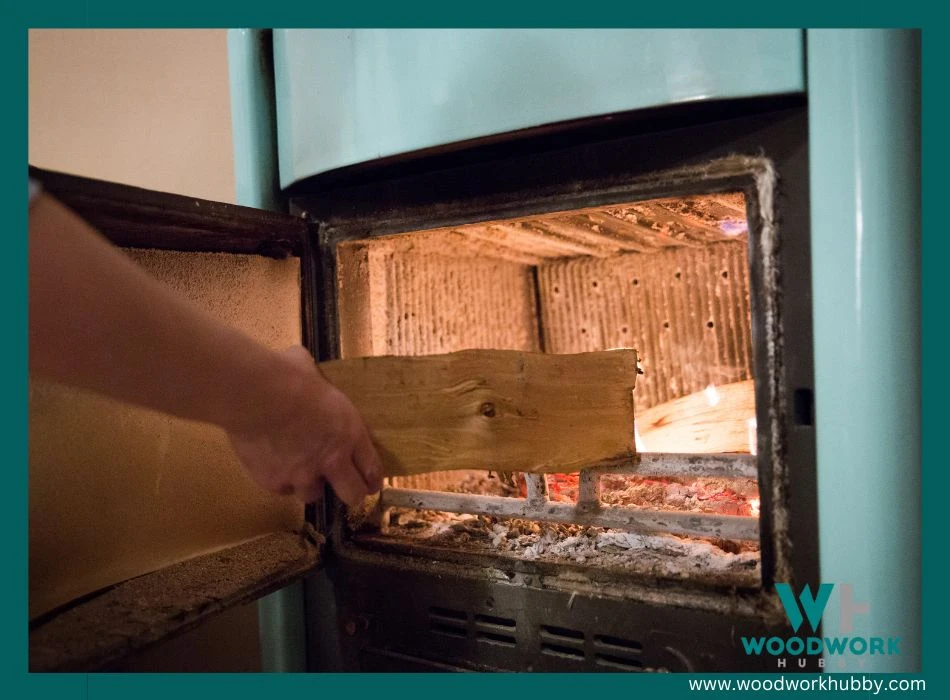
<point>602,640</point>
<point>490,634</point>
<point>495,630</point>
<point>562,651</point>
<point>616,653</point>
<point>549,631</point>
<point>492,621</point>
<point>489,629</point>
<point>452,623</point>
<point>562,642</point>
<point>495,638</point>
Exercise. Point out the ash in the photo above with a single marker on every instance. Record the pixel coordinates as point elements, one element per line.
<point>663,556</point>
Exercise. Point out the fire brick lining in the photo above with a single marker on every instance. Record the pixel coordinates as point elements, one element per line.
<point>438,304</point>
<point>641,227</point>
<point>423,302</point>
<point>686,310</point>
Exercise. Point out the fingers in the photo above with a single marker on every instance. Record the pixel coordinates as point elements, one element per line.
<point>352,480</point>
<point>298,353</point>
<point>367,462</point>
<point>348,483</point>
<point>338,447</point>
<point>312,491</point>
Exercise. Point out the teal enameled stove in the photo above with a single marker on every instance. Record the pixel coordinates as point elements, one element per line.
<point>386,131</point>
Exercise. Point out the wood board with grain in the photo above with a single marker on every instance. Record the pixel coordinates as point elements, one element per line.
<point>717,420</point>
<point>503,410</point>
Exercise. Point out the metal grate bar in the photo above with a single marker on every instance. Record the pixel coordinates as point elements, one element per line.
<point>588,489</point>
<point>537,488</point>
<point>690,466</point>
<point>730,527</point>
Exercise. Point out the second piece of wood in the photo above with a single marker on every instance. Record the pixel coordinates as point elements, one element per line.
<point>717,419</point>
<point>494,409</point>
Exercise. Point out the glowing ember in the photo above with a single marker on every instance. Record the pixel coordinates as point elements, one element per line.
<point>754,503</point>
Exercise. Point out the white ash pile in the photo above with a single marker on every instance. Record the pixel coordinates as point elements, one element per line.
<point>659,555</point>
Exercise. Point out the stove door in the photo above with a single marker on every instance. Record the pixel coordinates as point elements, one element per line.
<point>142,525</point>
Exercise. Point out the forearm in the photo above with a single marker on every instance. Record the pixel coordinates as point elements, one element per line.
<point>100,322</point>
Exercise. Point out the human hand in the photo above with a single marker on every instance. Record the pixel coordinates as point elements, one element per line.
<point>292,430</point>
<point>315,435</point>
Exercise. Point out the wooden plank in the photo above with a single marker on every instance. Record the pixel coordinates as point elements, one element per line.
<point>494,409</point>
<point>718,419</point>
<point>133,217</point>
<point>135,614</point>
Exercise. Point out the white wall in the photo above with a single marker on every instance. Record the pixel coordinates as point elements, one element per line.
<point>149,108</point>
<point>143,107</point>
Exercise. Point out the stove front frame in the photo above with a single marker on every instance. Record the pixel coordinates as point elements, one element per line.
<point>756,146</point>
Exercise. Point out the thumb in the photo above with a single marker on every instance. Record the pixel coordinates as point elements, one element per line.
<point>299,354</point>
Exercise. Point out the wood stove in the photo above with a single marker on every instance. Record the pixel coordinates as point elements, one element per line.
<point>674,241</point>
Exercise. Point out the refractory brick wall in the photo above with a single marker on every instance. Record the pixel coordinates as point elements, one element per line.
<point>402,298</point>
<point>686,311</point>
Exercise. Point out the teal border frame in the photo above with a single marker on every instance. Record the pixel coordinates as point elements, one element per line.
<point>175,13</point>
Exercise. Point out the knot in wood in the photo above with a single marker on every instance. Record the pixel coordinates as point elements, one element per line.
<point>487,409</point>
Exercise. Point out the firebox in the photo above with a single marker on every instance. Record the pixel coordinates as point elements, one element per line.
<point>660,276</point>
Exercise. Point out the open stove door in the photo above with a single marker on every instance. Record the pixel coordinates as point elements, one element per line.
<point>153,586</point>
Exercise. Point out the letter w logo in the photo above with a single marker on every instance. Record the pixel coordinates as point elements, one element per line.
<point>814,606</point>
